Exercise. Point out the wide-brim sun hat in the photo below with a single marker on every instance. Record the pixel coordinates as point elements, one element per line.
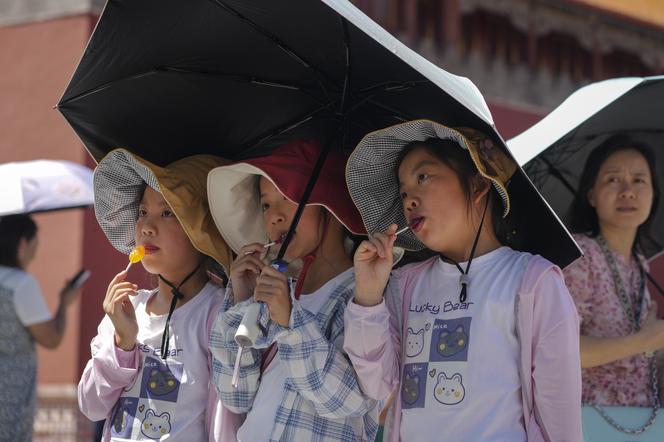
<point>119,182</point>
<point>235,203</point>
<point>373,185</point>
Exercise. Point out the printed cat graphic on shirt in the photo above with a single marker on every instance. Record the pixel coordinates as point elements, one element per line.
<point>155,426</point>
<point>414,342</point>
<point>161,381</point>
<point>451,343</point>
<point>449,391</point>
<point>411,388</point>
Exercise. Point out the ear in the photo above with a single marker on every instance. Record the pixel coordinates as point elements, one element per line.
<point>441,375</point>
<point>411,331</point>
<point>591,197</point>
<point>456,377</point>
<point>149,412</point>
<point>480,187</point>
<point>165,417</point>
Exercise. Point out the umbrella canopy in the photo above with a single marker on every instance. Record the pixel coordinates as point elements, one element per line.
<point>236,78</point>
<point>44,185</point>
<point>554,151</point>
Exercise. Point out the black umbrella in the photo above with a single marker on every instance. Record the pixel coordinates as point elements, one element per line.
<point>236,78</point>
<point>554,151</point>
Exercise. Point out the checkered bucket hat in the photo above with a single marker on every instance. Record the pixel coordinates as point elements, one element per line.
<point>119,182</point>
<point>373,186</point>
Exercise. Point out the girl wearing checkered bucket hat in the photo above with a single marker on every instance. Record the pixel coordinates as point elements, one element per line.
<point>296,383</point>
<point>481,341</point>
<point>150,372</point>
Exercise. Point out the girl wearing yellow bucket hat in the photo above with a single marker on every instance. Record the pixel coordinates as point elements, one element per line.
<point>150,371</point>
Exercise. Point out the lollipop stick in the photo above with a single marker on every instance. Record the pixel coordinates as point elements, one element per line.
<point>128,265</point>
<point>400,231</point>
<point>236,368</point>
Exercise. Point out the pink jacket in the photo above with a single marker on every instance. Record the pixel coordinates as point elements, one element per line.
<point>111,369</point>
<point>548,331</point>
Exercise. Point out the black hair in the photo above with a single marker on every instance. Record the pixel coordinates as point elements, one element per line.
<point>454,156</point>
<point>14,228</point>
<point>583,216</point>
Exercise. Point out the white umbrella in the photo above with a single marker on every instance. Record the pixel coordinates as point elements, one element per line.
<point>44,185</point>
<point>553,152</point>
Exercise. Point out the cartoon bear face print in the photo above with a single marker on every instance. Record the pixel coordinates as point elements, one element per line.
<point>411,388</point>
<point>449,391</point>
<point>451,343</point>
<point>414,342</point>
<point>161,382</point>
<point>155,426</point>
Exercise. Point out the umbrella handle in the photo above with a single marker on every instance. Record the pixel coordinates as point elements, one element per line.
<point>247,332</point>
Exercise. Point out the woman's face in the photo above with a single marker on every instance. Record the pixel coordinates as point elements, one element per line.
<point>622,194</point>
<point>434,203</point>
<point>278,213</point>
<point>168,250</point>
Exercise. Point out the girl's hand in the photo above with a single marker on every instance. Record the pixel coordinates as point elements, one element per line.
<point>120,310</point>
<point>373,264</point>
<point>244,271</point>
<point>272,288</point>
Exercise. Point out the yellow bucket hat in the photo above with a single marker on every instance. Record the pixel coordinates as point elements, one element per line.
<point>119,181</point>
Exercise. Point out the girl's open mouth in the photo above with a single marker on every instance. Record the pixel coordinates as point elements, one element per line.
<point>416,223</point>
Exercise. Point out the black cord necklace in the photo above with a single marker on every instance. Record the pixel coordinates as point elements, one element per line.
<point>177,295</point>
<point>464,279</point>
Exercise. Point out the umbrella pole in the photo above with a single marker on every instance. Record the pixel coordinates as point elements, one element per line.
<point>305,198</point>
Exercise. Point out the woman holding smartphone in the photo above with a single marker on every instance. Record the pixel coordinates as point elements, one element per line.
<point>24,320</point>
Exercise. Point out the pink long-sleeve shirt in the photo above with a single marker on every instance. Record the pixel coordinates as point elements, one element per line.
<point>547,329</point>
<point>140,395</point>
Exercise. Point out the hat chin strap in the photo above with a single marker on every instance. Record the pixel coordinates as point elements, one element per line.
<point>177,295</point>
<point>271,352</point>
<point>464,279</point>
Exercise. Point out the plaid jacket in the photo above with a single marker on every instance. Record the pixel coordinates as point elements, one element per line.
<point>321,399</point>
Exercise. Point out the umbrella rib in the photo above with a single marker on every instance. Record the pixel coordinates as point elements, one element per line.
<point>320,74</point>
<point>345,93</point>
<point>106,86</point>
<point>556,173</point>
<point>391,86</point>
<point>396,114</point>
<point>246,78</point>
<point>171,69</point>
<point>284,128</point>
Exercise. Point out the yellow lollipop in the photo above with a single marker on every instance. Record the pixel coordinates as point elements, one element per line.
<point>135,256</point>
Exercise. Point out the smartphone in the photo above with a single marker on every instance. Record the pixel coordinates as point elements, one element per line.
<point>79,278</point>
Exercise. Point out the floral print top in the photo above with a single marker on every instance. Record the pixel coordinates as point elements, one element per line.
<point>625,382</point>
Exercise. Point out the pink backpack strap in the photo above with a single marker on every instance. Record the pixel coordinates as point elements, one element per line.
<point>525,301</point>
<point>407,287</point>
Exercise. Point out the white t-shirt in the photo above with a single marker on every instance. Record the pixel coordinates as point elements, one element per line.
<point>260,420</point>
<point>168,400</point>
<point>28,299</point>
<point>461,375</point>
